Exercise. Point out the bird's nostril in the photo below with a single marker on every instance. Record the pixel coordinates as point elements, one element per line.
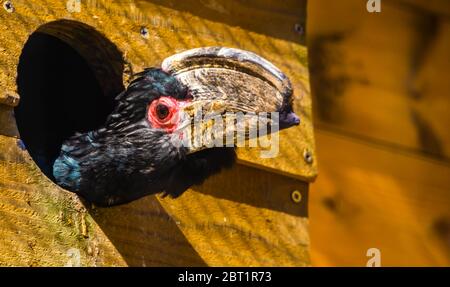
<point>296,119</point>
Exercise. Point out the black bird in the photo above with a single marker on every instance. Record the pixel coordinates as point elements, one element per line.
<point>139,150</point>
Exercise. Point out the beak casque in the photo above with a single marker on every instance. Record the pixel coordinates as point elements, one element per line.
<point>228,85</point>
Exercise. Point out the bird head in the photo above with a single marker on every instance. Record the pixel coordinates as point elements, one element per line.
<point>172,125</point>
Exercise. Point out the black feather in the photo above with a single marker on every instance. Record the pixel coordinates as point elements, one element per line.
<point>127,159</point>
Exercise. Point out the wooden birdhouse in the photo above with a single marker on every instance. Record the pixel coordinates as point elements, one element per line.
<point>68,60</point>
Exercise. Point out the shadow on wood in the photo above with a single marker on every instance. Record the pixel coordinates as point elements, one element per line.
<point>145,235</point>
<point>257,188</point>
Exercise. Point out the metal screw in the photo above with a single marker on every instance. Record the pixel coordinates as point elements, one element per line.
<point>307,156</point>
<point>296,196</point>
<point>299,29</point>
<point>144,32</point>
<point>8,6</point>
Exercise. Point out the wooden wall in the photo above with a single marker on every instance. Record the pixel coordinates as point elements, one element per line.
<point>244,216</point>
<point>381,98</point>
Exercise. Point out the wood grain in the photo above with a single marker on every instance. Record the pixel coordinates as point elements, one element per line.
<point>213,224</point>
<point>439,7</point>
<point>243,216</point>
<point>40,224</point>
<point>382,76</point>
<point>249,221</point>
<point>380,90</point>
<point>370,196</point>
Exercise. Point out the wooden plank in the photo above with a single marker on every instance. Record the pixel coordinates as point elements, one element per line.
<point>243,216</point>
<point>439,7</point>
<point>172,30</point>
<point>285,19</point>
<point>213,224</point>
<point>41,225</point>
<point>248,221</point>
<point>382,76</point>
<point>370,196</point>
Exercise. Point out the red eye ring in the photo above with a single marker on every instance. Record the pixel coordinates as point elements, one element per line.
<point>163,113</point>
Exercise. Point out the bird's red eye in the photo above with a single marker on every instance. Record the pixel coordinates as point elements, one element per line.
<point>163,113</point>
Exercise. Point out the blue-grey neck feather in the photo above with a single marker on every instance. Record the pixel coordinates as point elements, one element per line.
<point>66,171</point>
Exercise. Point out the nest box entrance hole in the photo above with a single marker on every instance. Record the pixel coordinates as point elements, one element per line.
<point>67,78</point>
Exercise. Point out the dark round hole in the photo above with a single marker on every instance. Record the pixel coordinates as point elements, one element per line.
<point>66,84</point>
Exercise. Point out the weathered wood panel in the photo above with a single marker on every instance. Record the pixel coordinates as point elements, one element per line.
<point>250,220</point>
<point>383,76</point>
<point>396,202</point>
<point>244,216</point>
<point>381,95</point>
<point>41,224</point>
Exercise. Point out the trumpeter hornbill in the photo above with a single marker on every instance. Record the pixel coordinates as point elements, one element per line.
<point>136,152</point>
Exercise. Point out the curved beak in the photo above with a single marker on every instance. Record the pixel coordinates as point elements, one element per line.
<point>236,96</point>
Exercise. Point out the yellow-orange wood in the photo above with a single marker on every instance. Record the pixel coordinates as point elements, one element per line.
<point>380,85</point>
<point>244,216</point>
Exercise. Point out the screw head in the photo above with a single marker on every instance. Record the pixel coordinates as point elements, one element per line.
<point>308,156</point>
<point>296,196</point>
<point>144,32</point>
<point>8,6</point>
<point>299,29</point>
